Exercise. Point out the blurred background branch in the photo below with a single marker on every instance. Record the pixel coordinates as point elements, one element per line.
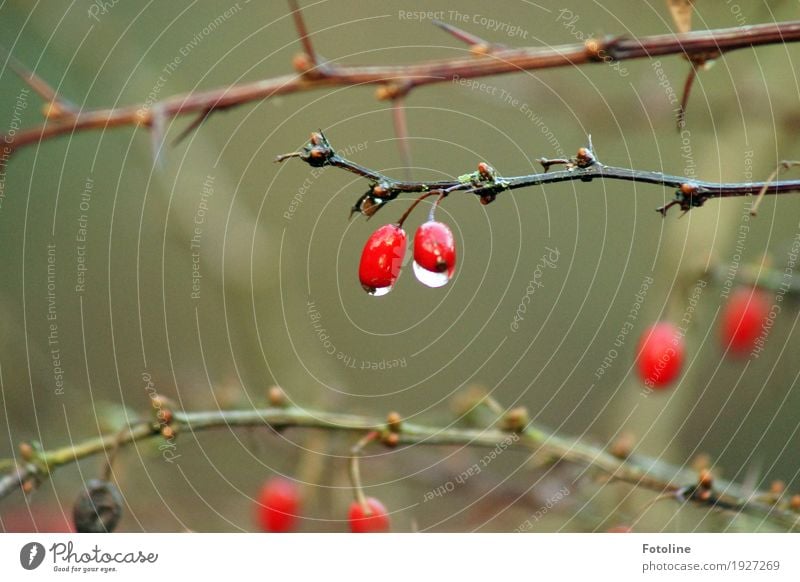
<point>618,464</point>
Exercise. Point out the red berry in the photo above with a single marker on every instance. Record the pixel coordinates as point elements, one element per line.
<point>374,521</point>
<point>661,354</point>
<point>742,319</point>
<point>434,254</point>
<point>278,505</point>
<point>381,259</point>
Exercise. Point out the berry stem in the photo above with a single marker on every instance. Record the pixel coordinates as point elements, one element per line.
<point>355,472</point>
<point>414,205</point>
<point>109,466</point>
<point>435,205</point>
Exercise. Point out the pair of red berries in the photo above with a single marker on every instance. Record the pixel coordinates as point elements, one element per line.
<point>662,347</point>
<point>382,257</point>
<point>279,506</point>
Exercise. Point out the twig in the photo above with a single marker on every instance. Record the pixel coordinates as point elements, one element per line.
<point>784,165</point>
<point>635,470</point>
<point>689,193</point>
<point>398,80</point>
<point>302,31</point>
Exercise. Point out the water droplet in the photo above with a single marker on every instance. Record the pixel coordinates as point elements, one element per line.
<point>430,278</point>
<point>380,291</point>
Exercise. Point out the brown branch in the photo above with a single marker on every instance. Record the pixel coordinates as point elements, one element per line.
<point>401,79</point>
<point>637,470</point>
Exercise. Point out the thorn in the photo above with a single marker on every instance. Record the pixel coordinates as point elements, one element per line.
<point>697,61</point>
<point>281,157</point>
<point>547,162</point>
<point>663,209</point>
<point>784,165</point>
<point>40,87</point>
<point>302,31</point>
<point>681,14</point>
<point>462,35</point>
<point>197,122</point>
<point>687,89</point>
<point>401,130</point>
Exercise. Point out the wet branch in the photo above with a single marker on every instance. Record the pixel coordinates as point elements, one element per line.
<point>668,481</point>
<point>486,183</point>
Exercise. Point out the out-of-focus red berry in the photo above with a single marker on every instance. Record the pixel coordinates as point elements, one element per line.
<point>278,505</point>
<point>661,354</point>
<point>742,320</point>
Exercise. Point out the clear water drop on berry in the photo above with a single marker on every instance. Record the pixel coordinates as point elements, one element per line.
<point>430,278</point>
<point>380,291</point>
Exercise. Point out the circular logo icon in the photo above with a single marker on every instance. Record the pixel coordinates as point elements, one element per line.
<point>31,555</point>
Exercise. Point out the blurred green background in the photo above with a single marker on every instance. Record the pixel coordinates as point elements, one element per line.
<point>275,238</point>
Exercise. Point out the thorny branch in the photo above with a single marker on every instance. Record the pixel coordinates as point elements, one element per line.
<point>487,184</point>
<point>394,82</point>
<point>669,481</point>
